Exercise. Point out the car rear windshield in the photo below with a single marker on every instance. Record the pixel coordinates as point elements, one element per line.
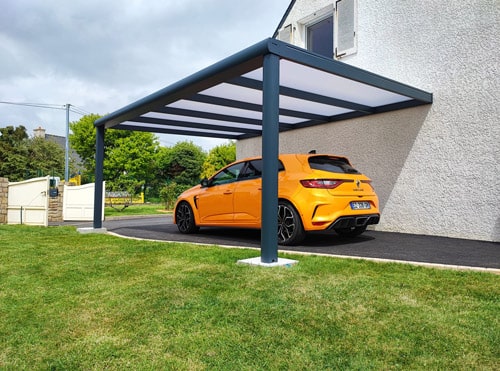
<point>331,164</point>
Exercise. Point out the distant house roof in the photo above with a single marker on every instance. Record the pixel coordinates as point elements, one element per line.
<point>59,140</point>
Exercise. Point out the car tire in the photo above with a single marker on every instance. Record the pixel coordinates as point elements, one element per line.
<point>290,228</point>
<point>350,232</point>
<point>184,218</point>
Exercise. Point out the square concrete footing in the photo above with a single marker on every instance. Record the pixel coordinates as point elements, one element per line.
<point>280,263</point>
<point>89,230</point>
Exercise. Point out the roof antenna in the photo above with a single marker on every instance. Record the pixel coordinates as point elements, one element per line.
<point>312,152</point>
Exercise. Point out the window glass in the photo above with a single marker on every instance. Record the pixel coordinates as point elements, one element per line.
<point>254,170</point>
<point>331,164</point>
<point>320,37</point>
<point>227,175</point>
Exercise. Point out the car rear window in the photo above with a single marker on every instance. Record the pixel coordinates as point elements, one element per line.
<point>331,164</point>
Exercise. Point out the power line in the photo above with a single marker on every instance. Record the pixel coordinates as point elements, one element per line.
<point>67,107</point>
<point>78,110</point>
<point>38,105</point>
<point>74,109</point>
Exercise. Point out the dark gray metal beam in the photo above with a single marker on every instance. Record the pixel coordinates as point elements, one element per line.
<point>304,95</point>
<point>257,108</point>
<point>209,115</point>
<point>196,125</point>
<point>270,146</point>
<point>193,133</point>
<point>99,177</point>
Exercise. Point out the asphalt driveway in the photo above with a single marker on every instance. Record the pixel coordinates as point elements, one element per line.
<point>371,245</point>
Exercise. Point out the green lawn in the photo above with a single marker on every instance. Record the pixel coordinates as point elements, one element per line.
<point>71,301</point>
<point>135,209</point>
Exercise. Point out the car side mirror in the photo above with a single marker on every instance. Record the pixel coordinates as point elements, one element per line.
<point>204,183</point>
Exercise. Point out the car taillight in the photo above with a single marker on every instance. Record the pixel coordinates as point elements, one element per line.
<point>322,183</point>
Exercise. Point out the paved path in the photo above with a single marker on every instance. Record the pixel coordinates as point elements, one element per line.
<point>372,245</point>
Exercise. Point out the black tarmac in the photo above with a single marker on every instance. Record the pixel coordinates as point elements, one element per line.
<point>420,249</point>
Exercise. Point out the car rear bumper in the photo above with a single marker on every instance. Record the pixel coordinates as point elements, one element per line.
<point>355,221</point>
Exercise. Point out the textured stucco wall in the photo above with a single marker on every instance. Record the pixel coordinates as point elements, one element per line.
<point>435,168</point>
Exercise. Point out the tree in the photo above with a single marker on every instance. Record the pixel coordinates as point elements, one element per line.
<point>82,141</point>
<point>183,163</point>
<point>130,164</point>
<point>22,157</point>
<point>13,152</point>
<point>180,169</point>
<point>46,157</point>
<point>217,158</point>
<point>129,156</point>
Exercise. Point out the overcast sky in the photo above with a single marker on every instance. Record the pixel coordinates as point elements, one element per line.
<point>100,55</point>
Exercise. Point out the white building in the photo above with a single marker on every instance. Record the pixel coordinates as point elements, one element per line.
<point>436,168</point>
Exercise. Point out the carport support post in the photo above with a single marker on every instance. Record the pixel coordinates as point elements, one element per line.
<point>99,165</point>
<point>270,145</point>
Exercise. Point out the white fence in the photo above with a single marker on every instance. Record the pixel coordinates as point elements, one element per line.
<point>28,202</point>
<point>78,202</point>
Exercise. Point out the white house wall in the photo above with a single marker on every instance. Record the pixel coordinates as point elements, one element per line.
<point>436,168</point>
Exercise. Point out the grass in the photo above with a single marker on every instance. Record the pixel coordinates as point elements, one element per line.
<point>71,301</point>
<point>136,209</point>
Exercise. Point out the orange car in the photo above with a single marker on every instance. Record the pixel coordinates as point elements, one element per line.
<point>316,192</point>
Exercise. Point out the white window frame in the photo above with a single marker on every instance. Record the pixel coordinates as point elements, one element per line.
<point>295,32</point>
<point>315,21</point>
<point>304,23</point>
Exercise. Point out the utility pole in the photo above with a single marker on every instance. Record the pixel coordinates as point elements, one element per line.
<point>66,162</point>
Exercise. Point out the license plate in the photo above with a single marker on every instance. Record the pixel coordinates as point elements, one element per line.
<point>360,205</point>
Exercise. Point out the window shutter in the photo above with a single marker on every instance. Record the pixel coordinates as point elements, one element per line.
<point>345,41</point>
<point>285,34</point>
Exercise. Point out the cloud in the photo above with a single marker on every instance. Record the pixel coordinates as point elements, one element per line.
<point>102,55</point>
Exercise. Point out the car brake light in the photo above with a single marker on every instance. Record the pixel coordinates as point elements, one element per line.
<point>322,183</point>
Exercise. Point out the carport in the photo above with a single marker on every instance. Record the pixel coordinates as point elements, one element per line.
<point>265,89</point>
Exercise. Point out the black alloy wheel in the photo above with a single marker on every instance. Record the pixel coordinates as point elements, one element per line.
<point>185,218</point>
<point>290,229</point>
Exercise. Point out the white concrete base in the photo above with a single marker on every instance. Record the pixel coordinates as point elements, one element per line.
<point>280,263</point>
<point>89,230</point>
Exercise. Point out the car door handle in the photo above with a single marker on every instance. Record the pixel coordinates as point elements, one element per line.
<point>228,192</point>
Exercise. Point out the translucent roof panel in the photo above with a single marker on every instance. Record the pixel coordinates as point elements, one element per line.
<point>323,83</point>
<point>225,100</point>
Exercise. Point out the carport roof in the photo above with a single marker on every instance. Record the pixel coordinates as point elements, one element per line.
<point>225,100</point>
